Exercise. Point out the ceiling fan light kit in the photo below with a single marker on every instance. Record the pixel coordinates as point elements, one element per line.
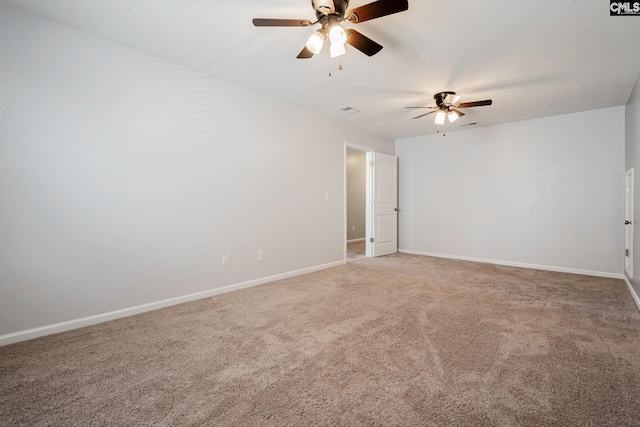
<point>447,106</point>
<point>330,15</point>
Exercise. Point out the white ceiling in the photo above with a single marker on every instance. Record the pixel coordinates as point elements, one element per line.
<point>533,58</point>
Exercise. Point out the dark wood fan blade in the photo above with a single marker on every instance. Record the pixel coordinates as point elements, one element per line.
<point>305,54</point>
<point>475,104</point>
<point>377,9</point>
<point>266,22</point>
<point>363,43</point>
<point>425,114</point>
<point>460,113</point>
<point>422,107</point>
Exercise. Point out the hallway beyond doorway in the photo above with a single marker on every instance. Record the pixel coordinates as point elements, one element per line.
<point>356,251</point>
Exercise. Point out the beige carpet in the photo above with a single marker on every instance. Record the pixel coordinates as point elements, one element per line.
<point>356,251</point>
<point>396,341</point>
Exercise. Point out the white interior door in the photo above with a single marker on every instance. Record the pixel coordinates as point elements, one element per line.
<point>628,221</point>
<point>382,188</point>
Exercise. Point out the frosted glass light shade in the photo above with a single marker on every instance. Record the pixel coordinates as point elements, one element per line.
<point>337,50</point>
<point>440,117</point>
<point>337,35</point>
<point>315,42</point>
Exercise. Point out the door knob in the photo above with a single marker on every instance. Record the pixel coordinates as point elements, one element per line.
<point>627,222</point>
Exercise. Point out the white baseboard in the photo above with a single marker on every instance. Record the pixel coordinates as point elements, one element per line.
<point>632,291</point>
<point>356,240</point>
<point>118,314</point>
<point>519,264</point>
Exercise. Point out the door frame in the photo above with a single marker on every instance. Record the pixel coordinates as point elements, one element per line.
<point>628,216</point>
<point>368,220</point>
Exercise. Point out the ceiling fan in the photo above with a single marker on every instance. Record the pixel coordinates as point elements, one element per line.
<point>330,15</point>
<point>447,106</point>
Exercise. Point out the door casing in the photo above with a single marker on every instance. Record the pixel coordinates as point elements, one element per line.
<point>629,225</point>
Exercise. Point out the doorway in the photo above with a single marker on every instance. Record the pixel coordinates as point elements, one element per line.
<point>356,203</point>
<point>379,201</point>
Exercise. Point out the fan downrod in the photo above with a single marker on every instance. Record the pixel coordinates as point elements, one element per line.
<point>330,7</point>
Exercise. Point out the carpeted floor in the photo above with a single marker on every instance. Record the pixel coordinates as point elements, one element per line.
<point>356,251</point>
<point>396,341</point>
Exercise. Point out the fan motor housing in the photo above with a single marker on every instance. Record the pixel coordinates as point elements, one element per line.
<point>439,97</point>
<point>330,7</point>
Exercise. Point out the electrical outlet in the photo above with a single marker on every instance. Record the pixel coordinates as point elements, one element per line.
<point>478,242</point>
<point>225,261</point>
<point>260,256</point>
<point>353,228</point>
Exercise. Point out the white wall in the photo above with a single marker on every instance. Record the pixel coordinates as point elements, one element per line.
<point>124,179</point>
<point>632,160</point>
<point>356,194</point>
<point>546,192</point>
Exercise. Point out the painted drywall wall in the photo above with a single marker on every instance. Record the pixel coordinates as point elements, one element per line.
<point>124,179</point>
<point>356,194</point>
<point>632,160</point>
<point>546,192</point>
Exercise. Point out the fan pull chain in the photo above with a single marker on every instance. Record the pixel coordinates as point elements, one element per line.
<point>339,67</point>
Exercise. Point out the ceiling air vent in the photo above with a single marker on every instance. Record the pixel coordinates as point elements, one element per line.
<point>469,124</point>
<point>350,110</point>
